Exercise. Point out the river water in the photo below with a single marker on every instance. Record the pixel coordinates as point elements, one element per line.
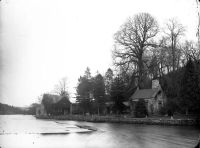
<point>27,131</point>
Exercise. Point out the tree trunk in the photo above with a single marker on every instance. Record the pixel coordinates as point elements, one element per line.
<point>140,69</point>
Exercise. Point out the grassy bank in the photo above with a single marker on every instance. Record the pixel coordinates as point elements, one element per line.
<point>128,120</point>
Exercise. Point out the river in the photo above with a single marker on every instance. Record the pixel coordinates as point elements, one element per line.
<point>27,131</point>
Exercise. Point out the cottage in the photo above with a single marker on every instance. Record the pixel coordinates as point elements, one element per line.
<point>53,105</point>
<point>154,98</point>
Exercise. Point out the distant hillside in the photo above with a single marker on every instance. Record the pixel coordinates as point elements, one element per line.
<point>8,110</point>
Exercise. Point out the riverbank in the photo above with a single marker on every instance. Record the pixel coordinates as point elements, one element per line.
<point>128,120</point>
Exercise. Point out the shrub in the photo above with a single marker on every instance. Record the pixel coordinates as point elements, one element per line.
<point>163,110</point>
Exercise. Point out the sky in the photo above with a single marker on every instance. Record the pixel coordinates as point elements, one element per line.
<point>42,41</point>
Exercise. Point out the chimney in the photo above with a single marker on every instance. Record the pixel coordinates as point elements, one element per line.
<point>155,84</point>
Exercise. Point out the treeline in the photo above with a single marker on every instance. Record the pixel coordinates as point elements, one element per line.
<point>7,110</point>
<point>142,52</point>
<point>182,88</point>
<point>96,95</point>
<point>145,51</point>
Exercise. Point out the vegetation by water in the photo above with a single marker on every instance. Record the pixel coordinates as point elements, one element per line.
<point>10,110</point>
<point>142,53</point>
<point>140,57</point>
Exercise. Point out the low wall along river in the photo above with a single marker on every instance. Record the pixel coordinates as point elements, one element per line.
<point>112,119</point>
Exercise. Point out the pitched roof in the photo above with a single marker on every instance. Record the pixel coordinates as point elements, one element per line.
<point>145,94</point>
<point>52,98</point>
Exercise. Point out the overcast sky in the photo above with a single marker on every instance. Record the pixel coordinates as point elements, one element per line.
<point>42,41</point>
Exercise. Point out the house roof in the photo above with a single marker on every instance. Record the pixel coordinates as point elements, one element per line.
<point>145,94</point>
<point>52,98</point>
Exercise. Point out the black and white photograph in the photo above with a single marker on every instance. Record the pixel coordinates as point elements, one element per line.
<point>99,73</point>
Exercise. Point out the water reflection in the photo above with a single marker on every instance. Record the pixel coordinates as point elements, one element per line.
<point>26,131</point>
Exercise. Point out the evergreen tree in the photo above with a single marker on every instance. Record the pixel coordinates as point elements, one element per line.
<point>117,94</point>
<point>171,84</point>
<point>84,91</point>
<point>87,73</point>
<point>99,92</point>
<point>189,89</point>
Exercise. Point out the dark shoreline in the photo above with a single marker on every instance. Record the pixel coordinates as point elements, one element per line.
<point>127,120</point>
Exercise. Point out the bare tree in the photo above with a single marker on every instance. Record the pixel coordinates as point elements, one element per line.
<point>132,40</point>
<point>190,50</point>
<point>159,62</point>
<point>39,98</point>
<point>174,31</point>
<point>198,27</point>
<point>61,88</point>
